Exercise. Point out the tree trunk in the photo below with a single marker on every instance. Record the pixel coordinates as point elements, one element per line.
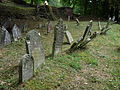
<point>94,4</point>
<point>85,7</point>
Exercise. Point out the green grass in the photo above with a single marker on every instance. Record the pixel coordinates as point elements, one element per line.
<point>96,67</point>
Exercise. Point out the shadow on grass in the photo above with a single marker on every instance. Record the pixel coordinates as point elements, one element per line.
<point>76,50</point>
<point>118,49</point>
<point>66,43</point>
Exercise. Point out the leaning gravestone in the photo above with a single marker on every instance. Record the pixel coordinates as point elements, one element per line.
<point>105,28</point>
<point>16,33</point>
<point>77,21</point>
<point>58,37</point>
<point>26,68</point>
<point>5,37</point>
<point>69,37</point>
<point>35,48</point>
<point>86,38</point>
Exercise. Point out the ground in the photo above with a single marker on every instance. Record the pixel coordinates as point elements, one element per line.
<point>95,67</point>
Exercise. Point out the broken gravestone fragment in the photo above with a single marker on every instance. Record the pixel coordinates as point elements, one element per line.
<point>35,48</point>
<point>58,37</point>
<point>26,68</point>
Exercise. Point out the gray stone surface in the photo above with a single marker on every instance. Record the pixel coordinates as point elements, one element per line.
<point>49,27</point>
<point>35,48</point>
<point>58,37</point>
<point>77,21</point>
<point>26,68</point>
<point>1,37</point>
<point>5,37</point>
<point>69,37</point>
<point>16,32</point>
<point>85,39</point>
<point>104,29</point>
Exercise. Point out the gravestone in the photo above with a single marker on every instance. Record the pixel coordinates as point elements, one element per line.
<point>35,48</point>
<point>90,26</point>
<point>86,38</point>
<point>49,27</point>
<point>4,37</point>
<point>16,32</point>
<point>77,21</point>
<point>1,36</point>
<point>69,37</point>
<point>105,28</point>
<point>8,24</point>
<point>58,37</point>
<point>23,28</point>
<point>99,25</point>
<point>26,68</point>
<point>7,37</point>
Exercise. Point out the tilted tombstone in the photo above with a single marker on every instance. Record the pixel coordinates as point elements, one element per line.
<point>26,68</point>
<point>90,26</point>
<point>105,28</point>
<point>58,37</point>
<point>69,37</point>
<point>5,37</point>
<point>35,48</point>
<point>16,32</point>
<point>77,21</point>
<point>85,35</point>
<point>86,38</point>
<point>80,40</point>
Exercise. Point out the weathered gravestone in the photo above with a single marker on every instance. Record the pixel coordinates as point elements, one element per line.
<point>105,28</point>
<point>58,37</point>
<point>86,38</point>
<point>23,28</point>
<point>49,27</point>
<point>77,21</point>
<point>4,37</point>
<point>26,68</point>
<point>8,24</point>
<point>1,36</point>
<point>69,37</point>
<point>87,32</point>
<point>7,37</point>
<point>35,48</point>
<point>16,32</point>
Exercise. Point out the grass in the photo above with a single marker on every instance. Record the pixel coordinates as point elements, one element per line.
<point>95,67</point>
